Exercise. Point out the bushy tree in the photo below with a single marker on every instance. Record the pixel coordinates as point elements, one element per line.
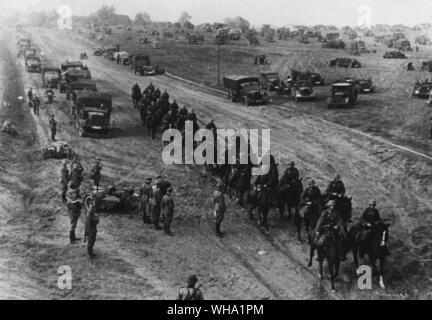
<point>238,23</point>
<point>142,18</point>
<point>184,17</point>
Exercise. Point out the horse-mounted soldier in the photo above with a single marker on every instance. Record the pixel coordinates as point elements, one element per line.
<point>370,216</point>
<point>312,193</point>
<point>336,188</point>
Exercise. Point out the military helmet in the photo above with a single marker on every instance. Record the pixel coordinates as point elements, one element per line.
<point>219,185</point>
<point>331,202</point>
<point>372,203</point>
<point>192,280</point>
<point>170,190</point>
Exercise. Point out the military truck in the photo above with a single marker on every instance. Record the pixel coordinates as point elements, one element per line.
<point>50,77</point>
<point>138,60</point>
<point>93,114</point>
<point>302,90</point>
<point>245,89</point>
<point>343,94</point>
<point>270,81</point>
<point>73,74</point>
<point>33,64</point>
<point>82,85</point>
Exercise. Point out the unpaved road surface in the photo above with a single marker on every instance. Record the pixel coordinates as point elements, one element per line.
<point>136,262</point>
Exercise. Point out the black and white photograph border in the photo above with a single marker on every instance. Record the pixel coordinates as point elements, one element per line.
<point>215,150</point>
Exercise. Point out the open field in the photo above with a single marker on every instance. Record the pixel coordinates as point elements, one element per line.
<point>136,262</point>
<point>390,112</point>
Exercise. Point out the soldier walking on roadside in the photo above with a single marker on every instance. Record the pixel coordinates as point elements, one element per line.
<point>219,208</point>
<point>64,180</point>
<point>91,222</point>
<point>156,204</point>
<point>53,127</point>
<point>30,96</point>
<point>74,206</point>
<point>168,210</point>
<point>96,173</point>
<point>36,105</point>
<point>146,193</point>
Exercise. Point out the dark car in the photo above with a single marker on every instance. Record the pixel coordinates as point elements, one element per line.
<point>394,55</point>
<point>98,52</point>
<point>245,89</point>
<point>422,90</point>
<point>270,81</point>
<point>33,64</point>
<point>316,79</point>
<point>365,85</point>
<point>345,63</point>
<point>302,90</point>
<point>343,94</point>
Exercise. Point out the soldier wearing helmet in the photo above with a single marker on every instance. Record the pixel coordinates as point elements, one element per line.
<point>331,218</point>
<point>290,175</point>
<point>370,216</point>
<point>168,210</point>
<point>313,193</point>
<point>64,179</point>
<point>190,292</point>
<point>336,187</point>
<point>219,208</point>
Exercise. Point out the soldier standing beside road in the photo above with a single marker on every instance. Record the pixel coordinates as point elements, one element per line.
<point>30,96</point>
<point>36,104</point>
<point>91,222</point>
<point>74,206</point>
<point>96,173</point>
<point>146,193</point>
<point>431,129</point>
<point>64,180</point>
<point>53,127</point>
<point>156,204</point>
<point>168,210</point>
<point>219,208</point>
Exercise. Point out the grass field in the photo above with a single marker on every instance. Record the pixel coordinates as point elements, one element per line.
<point>390,112</point>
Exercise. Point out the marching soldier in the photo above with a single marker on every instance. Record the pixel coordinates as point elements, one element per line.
<point>64,179</point>
<point>219,208</point>
<point>53,127</point>
<point>168,210</point>
<point>30,96</point>
<point>146,193</point>
<point>96,173</point>
<point>36,104</point>
<point>74,206</point>
<point>190,292</point>
<point>91,222</point>
<point>156,205</point>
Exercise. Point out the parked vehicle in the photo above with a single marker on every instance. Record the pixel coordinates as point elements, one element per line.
<point>270,81</point>
<point>343,95</point>
<point>138,60</point>
<point>302,90</point>
<point>72,75</point>
<point>394,55</point>
<point>261,60</point>
<point>365,85</point>
<point>422,90</point>
<point>98,52</point>
<point>245,89</point>
<point>149,70</point>
<point>345,63</point>
<point>122,56</point>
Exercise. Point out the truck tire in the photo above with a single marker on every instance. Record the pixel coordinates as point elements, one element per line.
<point>81,132</point>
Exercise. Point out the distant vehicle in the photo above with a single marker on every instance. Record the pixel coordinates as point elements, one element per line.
<point>270,81</point>
<point>22,49</point>
<point>343,95</point>
<point>123,56</point>
<point>302,90</point>
<point>98,52</point>
<point>29,52</point>
<point>365,85</point>
<point>71,65</point>
<point>315,78</point>
<point>71,75</point>
<point>50,77</point>
<point>138,60</point>
<point>245,89</point>
<point>345,63</point>
<point>149,70</point>
<point>422,90</point>
<point>394,55</point>
<point>93,114</point>
<point>82,85</point>
<point>261,60</point>
<point>234,34</point>
<point>109,53</point>
<point>427,66</point>
<point>33,64</point>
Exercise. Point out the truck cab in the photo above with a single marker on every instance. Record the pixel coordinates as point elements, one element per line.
<point>50,77</point>
<point>270,81</point>
<point>93,114</point>
<point>245,89</point>
<point>33,64</point>
<point>72,71</point>
<point>343,94</point>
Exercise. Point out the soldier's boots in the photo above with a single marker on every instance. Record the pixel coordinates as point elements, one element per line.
<point>218,231</point>
<point>73,239</point>
<point>168,231</point>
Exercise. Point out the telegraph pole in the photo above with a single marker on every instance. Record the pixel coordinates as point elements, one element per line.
<point>218,62</point>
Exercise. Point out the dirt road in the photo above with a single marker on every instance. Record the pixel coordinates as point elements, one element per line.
<point>136,262</point>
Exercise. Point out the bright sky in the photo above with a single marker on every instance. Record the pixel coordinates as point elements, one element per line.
<point>257,12</point>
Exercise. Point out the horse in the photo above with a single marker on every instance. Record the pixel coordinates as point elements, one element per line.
<point>239,182</point>
<point>290,195</point>
<point>259,199</point>
<point>327,246</point>
<point>309,214</point>
<point>372,242</point>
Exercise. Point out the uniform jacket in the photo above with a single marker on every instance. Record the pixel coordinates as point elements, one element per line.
<point>74,207</point>
<point>167,204</point>
<point>91,222</point>
<point>331,218</point>
<point>64,175</point>
<point>190,294</point>
<point>313,193</point>
<point>370,215</point>
<point>336,186</point>
<point>219,202</point>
